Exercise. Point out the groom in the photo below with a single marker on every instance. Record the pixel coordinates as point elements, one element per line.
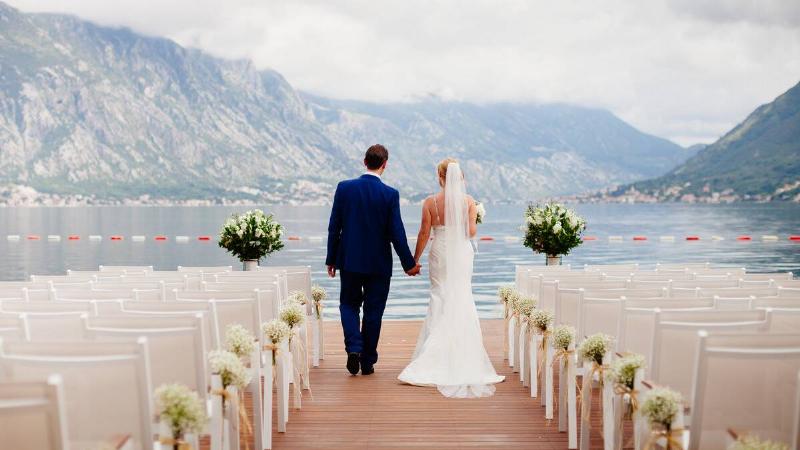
<point>365,220</point>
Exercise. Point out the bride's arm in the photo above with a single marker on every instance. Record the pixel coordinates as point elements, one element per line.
<point>424,231</point>
<point>473,217</point>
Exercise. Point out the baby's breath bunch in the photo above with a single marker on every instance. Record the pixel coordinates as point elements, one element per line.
<point>524,306</point>
<point>513,298</point>
<point>541,319</point>
<point>181,409</point>
<point>504,292</point>
<point>239,341</point>
<point>594,347</point>
<point>660,406</point>
<point>750,442</point>
<point>230,369</point>
<point>563,336</point>
<point>276,331</point>
<point>623,369</point>
<point>298,297</point>
<point>318,295</point>
<point>292,314</point>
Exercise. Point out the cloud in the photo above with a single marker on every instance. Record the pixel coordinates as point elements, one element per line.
<point>685,70</point>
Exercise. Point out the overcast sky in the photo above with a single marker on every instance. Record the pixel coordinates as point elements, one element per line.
<point>687,70</point>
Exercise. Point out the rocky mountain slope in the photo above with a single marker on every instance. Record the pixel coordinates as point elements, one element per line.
<point>96,114</point>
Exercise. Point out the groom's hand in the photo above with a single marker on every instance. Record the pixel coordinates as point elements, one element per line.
<point>332,271</point>
<point>415,271</point>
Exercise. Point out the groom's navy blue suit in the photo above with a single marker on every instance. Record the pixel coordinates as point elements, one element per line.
<point>365,222</point>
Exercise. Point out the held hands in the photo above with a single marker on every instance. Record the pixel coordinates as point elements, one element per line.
<point>414,271</point>
<point>332,271</point>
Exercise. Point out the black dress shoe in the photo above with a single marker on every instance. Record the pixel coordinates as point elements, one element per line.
<point>367,370</point>
<point>353,363</point>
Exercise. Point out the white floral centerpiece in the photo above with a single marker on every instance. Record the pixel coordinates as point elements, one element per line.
<point>660,408</point>
<point>481,210</point>
<point>182,411</point>
<point>552,229</point>
<point>318,295</point>
<point>275,331</point>
<point>621,373</point>
<point>239,341</point>
<point>251,236</point>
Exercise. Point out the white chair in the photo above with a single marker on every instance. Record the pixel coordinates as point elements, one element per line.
<point>636,324</point>
<point>746,382</point>
<point>683,266</point>
<point>734,302</point>
<point>106,386</point>
<point>32,415</point>
<point>737,292</point>
<point>777,276</point>
<point>126,268</point>
<point>204,269</point>
<point>776,302</point>
<point>708,284</point>
<point>170,309</point>
<point>91,294</point>
<point>675,332</point>
<point>788,292</point>
<point>785,320</point>
<point>632,267</point>
<point>14,326</point>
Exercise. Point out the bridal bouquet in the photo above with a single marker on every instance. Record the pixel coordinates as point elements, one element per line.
<point>552,229</point>
<point>481,212</point>
<point>251,236</point>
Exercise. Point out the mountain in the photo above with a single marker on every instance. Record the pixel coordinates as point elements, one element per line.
<point>97,114</point>
<point>758,160</point>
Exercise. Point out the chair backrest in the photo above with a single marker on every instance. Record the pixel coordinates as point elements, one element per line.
<point>126,268</point>
<point>543,286</point>
<point>733,272</point>
<point>631,267</point>
<point>626,292</point>
<point>785,320</point>
<point>690,284</point>
<point>33,415</point>
<point>523,271</point>
<point>776,302</point>
<point>44,327</point>
<point>786,283</point>
<point>172,309</point>
<point>204,269</point>
<point>661,276</point>
<point>737,292</point>
<point>734,302</point>
<point>683,266</point>
<point>75,277</point>
<point>18,306</point>
<point>106,385</point>
<point>91,294</point>
<point>670,363</point>
<point>567,303</point>
<point>14,326</point>
<point>636,283</point>
<point>746,382</point>
<point>178,344</point>
<point>776,276</point>
<point>788,292</point>
<point>598,315</point>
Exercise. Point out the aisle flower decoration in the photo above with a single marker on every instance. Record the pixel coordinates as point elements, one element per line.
<point>293,314</point>
<point>621,373</point>
<point>524,307</point>
<point>541,320</point>
<point>275,331</point>
<point>232,372</point>
<point>239,341</point>
<point>318,296</point>
<point>251,236</point>
<point>660,408</point>
<point>504,293</point>
<point>594,348</point>
<point>298,297</point>
<point>563,336</point>
<point>183,412</point>
<point>750,442</point>
<point>481,210</point>
<point>552,229</point>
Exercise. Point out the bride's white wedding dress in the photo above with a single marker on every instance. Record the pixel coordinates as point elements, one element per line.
<point>450,353</point>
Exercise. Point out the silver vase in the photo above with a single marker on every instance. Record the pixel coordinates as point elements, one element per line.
<point>250,265</point>
<point>553,260</point>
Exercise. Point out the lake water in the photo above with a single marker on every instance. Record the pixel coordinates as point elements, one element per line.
<point>494,263</point>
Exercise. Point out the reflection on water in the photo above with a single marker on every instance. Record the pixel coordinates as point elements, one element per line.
<point>494,264</point>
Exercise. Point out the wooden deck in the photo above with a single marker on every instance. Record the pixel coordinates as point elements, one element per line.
<point>378,412</point>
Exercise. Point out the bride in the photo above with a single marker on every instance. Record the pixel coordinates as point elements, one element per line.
<point>449,352</point>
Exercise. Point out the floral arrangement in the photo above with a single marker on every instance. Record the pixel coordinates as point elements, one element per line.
<point>251,236</point>
<point>481,210</point>
<point>276,331</point>
<point>181,409</point>
<point>563,336</point>
<point>298,297</point>
<point>749,442</point>
<point>542,320</point>
<point>504,292</point>
<point>524,306</point>
<point>292,314</point>
<point>239,341</point>
<point>513,299</point>
<point>230,369</point>
<point>594,347</point>
<point>318,295</point>
<point>552,229</point>
<point>622,370</point>
<point>660,406</point>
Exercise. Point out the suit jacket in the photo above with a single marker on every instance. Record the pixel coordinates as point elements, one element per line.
<point>365,221</point>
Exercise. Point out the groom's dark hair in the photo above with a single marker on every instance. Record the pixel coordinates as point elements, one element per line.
<point>376,156</point>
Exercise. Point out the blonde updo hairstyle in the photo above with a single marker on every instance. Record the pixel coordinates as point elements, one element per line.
<point>442,169</point>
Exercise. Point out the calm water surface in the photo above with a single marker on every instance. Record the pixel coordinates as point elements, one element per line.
<point>494,263</point>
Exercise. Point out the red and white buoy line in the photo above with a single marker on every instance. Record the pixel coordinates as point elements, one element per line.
<point>209,238</point>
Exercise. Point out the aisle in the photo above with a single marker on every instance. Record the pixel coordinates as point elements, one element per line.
<point>377,412</point>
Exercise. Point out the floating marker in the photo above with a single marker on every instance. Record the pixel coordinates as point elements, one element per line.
<point>53,238</point>
<point>717,238</point>
<point>667,238</point>
<point>204,238</point>
<point>13,237</point>
<point>744,238</point>
<point>95,237</point>
<point>692,238</point>
<point>160,238</point>
<point>73,237</point>
<point>589,238</point>
<point>33,237</point>
<point>511,238</point>
<point>640,238</point>
<point>794,238</point>
<point>181,238</point>
<point>486,238</point>
<point>293,238</point>
<point>116,238</point>
<point>769,237</point>
<point>137,238</point>
<point>615,238</point>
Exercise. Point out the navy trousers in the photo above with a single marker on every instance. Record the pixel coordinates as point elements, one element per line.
<point>370,291</point>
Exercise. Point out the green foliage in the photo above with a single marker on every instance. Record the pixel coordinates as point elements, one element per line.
<point>552,229</point>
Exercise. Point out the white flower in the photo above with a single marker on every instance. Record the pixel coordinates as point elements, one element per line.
<point>594,347</point>
<point>181,409</point>
<point>239,341</point>
<point>557,228</point>
<point>563,335</point>
<point>230,369</point>
<point>298,297</point>
<point>623,369</point>
<point>276,330</point>
<point>660,406</point>
<point>542,319</point>
<point>292,314</point>
<point>259,233</point>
